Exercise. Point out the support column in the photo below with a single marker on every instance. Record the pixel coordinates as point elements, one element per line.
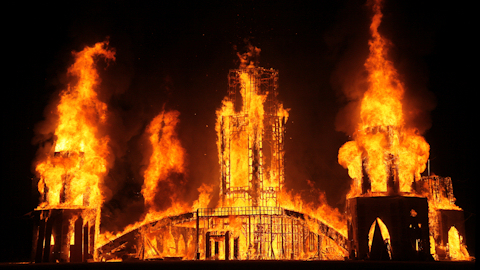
<point>85,243</point>
<point>208,247</point>
<point>217,249</point>
<point>40,240</point>
<point>293,243</point>
<point>47,238</point>
<point>319,247</point>
<point>76,248</point>
<point>236,248</point>
<point>197,246</point>
<point>227,246</point>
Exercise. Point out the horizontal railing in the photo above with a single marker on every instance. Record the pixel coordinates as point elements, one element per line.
<point>239,211</point>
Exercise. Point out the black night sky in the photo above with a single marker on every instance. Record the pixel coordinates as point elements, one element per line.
<point>177,54</point>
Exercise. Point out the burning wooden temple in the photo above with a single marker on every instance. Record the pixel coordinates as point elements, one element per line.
<point>392,211</point>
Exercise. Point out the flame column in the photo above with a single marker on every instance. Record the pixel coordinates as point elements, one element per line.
<point>251,138</point>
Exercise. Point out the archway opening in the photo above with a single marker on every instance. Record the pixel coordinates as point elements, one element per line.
<point>379,227</point>
<point>456,249</point>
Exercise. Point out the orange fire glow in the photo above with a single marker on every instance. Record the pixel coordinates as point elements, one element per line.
<point>321,211</point>
<point>167,157</point>
<point>251,175</point>
<point>72,176</point>
<point>382,141</point>
<point>456,249</point>
<point>251,117</point>
<point>384,148</point>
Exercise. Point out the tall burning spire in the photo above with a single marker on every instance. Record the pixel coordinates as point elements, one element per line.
<point>250,130</point>
<point>71,175</point>
<point>385,155</point>
<point>386,158</point>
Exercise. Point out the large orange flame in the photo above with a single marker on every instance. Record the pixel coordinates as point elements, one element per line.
<point>72,176</point>
<point>456,249</point>
<point>167,157</point>
<point>241,137</point>
<point>386,150</point>
<point>383,144</point>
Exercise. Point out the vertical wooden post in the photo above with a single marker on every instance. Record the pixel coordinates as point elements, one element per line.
<point>227,246</point>
<point>48,237</point>
<point>85,243</point>
<point>40,241</point>
<point>197,225</point>
<point>208,248</point>
<point>293,243</point>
